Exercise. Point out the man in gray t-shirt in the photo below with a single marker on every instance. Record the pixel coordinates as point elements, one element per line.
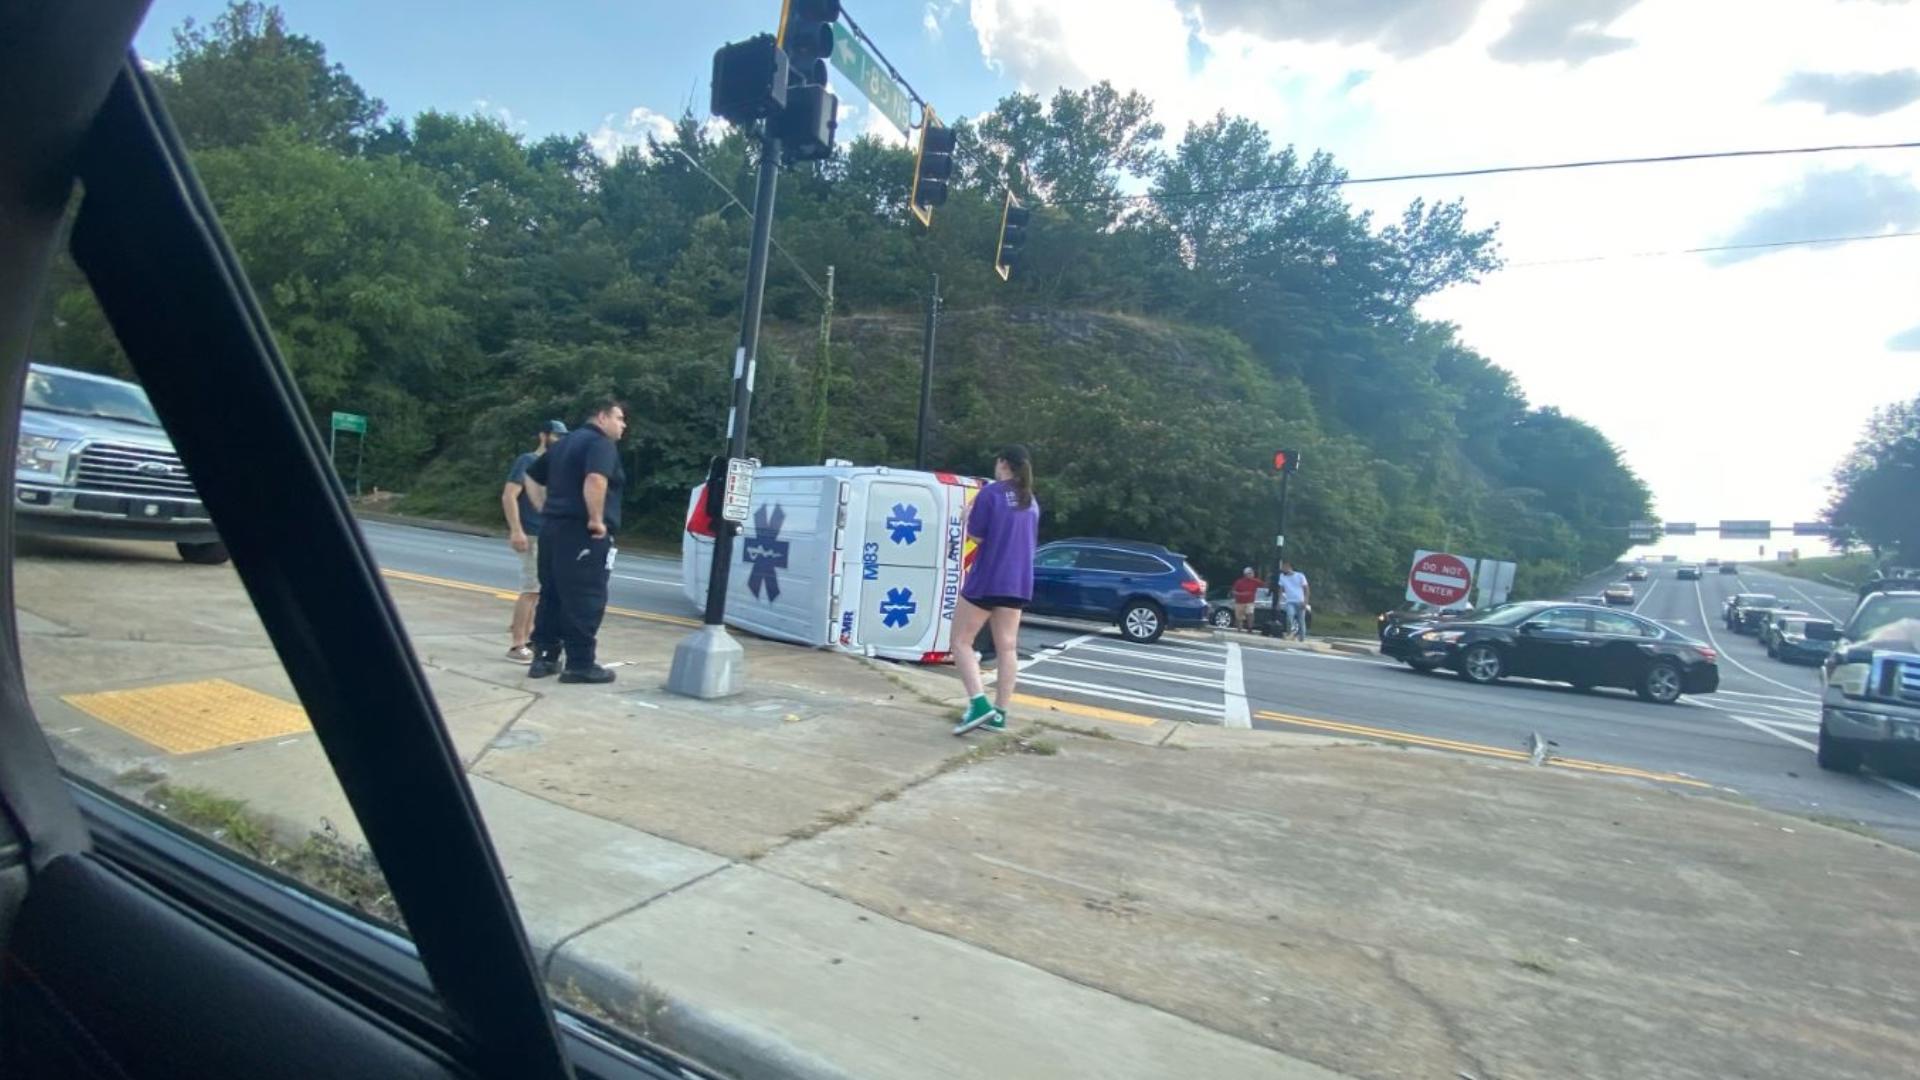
<point>521,500</point>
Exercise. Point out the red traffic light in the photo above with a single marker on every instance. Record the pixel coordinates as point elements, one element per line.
<point>1286,461</point>
<point>1280,460</point>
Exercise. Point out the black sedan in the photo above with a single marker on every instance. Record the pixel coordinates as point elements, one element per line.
<point>1688,573</point>
<point>1733,612</point>
<point>1570,643</point>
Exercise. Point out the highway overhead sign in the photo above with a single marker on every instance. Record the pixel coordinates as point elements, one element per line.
<point>1678,528</point>
<point>1439,579</point>
<point>1743,529</point>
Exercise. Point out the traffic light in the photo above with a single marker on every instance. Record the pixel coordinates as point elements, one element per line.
<point>1013,237</point>
<point>1286,461</point>
<point>749,80</point>
<point>806,29</point>
<point>932,167</point>
<point>807,125</point>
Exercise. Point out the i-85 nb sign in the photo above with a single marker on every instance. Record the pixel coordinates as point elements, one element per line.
<point>1439,579</point>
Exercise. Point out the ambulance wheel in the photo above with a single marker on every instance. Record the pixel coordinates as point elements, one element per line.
<point>1142,622</point>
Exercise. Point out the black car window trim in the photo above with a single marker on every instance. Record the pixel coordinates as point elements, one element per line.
<point>149,242</point>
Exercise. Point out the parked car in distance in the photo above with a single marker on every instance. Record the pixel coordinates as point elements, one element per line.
<point>1687,573</point>
<point>1638,573</point>
<point>1730,611</point>
<point>1803,639</point>
<point>1729,568</point>
<point>1870,699</point>
<point>1618,593</point>
<point>1561,642</point>
<point>1596,601</point>
<point>93,461</point>
<point>1142,588</point>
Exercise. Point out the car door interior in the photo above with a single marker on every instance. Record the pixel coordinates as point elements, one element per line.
<point>131,948</point>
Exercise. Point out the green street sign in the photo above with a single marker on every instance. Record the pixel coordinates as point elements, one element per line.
<point>346,421</point>
<point>853,60</point>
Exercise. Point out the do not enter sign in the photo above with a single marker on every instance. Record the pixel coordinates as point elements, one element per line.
<point>1439,579</point>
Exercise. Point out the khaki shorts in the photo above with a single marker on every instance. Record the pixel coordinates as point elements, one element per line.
<point>530,566</point>
<point>1242,613</point>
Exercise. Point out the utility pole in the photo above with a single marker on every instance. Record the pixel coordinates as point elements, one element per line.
<point>707,663</point>
<point>823,374</point>
<point>926,374</point>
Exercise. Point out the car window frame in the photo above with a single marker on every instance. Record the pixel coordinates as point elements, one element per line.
<point>150,245</point>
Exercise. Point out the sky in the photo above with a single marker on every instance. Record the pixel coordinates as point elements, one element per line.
<point>1732,381</point>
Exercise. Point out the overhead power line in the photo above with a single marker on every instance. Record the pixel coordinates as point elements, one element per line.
<point>1497,170</point>
<point>735,200</point>
<point>1713,248</point>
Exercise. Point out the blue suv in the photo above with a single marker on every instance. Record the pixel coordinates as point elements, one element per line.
<point>1144,588</point>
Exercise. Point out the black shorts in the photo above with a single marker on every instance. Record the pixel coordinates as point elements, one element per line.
<point>993,602</point>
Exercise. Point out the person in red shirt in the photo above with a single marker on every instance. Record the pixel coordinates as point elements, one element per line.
<point>1245,591</point>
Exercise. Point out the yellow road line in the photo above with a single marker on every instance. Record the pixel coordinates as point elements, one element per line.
<point>1501,752</point>
<point>468,586</point>
<point>1092,711</point>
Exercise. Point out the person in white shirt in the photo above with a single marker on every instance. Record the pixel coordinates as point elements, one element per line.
<point>1294,596</point>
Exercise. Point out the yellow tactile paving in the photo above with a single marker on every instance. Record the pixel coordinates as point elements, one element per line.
<point>184,718</point>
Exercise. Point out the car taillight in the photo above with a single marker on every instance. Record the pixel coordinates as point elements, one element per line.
<point>1194,586</point>
<point>1707,654</point>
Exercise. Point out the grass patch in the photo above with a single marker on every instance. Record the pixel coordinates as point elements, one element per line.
<point>1043,747</point>
<point>139,776</point>
<point>1534,962</point>
<point>1091,733</point>
<point>1853,569</point>
<point>641,1016</point>
<point>321,860</point>
<point>1844,825</point>
<point>1344,624</point>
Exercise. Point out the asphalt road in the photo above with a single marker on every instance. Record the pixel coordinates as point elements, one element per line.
<point>1753,739</point>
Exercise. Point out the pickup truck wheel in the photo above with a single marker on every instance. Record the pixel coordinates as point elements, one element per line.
<point>1836,755</point>
<point>212,554</point>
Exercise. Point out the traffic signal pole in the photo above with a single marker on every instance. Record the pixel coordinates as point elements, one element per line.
<point>707,663</point>
<point>926,375</point>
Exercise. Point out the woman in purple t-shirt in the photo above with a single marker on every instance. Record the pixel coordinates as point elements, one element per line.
<point>1006,521</point>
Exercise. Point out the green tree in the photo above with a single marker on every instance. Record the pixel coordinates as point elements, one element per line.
<point>1876,489</point>
<point>233,82</point>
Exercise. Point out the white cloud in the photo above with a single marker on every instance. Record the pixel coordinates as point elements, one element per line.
<point>501,113</point>
<point>934,18</point>
<point>1673,357</point>
<point>617,132</point>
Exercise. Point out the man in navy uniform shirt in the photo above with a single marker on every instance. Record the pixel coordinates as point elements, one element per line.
<point>583,478</point>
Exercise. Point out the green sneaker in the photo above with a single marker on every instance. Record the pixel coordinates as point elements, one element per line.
<point>979,711</point>
<point>998,722</point>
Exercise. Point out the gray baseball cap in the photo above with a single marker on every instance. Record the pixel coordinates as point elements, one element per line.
<point>554,427</point>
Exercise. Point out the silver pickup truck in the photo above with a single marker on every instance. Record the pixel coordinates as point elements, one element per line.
<point>1870,707</point>
<point>94,461</point>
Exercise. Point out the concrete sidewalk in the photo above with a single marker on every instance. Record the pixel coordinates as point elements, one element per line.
<point>816,879</point>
